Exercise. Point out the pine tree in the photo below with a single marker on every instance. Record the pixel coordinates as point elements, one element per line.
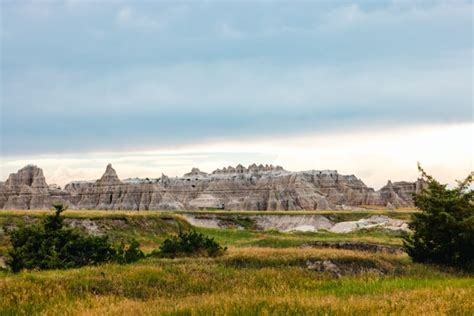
<point>443,232</point>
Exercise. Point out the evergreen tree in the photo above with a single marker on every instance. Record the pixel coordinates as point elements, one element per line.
<point>443,232</point>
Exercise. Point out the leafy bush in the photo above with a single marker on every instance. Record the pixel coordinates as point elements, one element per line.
<point>51,246</point>
<point>443,232</point>
<point>130,253</point>
<point>190,244</point>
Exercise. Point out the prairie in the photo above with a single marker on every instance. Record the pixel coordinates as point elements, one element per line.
<point>262,273</point>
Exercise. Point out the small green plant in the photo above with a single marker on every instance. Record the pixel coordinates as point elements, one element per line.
<point>51,246</point>
<point>189,244</point>
<point>443,232</point>
<point>130,253</point>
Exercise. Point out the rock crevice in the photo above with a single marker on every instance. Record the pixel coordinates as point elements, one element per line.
<point>232,188</point>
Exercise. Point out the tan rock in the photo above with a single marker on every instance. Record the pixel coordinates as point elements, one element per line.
<point>254,188</point>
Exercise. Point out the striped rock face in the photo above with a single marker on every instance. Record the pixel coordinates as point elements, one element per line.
<point>232,188</point>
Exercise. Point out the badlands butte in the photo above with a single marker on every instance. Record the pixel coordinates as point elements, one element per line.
<point>233,188</point>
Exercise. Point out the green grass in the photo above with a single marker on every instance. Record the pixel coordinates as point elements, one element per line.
<point>275,239</point>
<point>150,231</point>
<point>336,215</point>
<point>150,228</point>
<point>253,280</point>
<point>262,273</point>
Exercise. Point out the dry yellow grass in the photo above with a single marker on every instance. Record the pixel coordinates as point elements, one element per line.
<point>266,252</point>
<point>413,302</point>
<point>246,281</point>
<point>102,213</point>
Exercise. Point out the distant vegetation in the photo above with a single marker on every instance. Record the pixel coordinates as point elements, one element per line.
<point>190,244</point>
<point>443,233</point>
<point>50,245</point>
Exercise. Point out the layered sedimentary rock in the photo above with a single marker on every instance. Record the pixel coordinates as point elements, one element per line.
<point>232,188</point>
<point>295,222</point>
<point>27,189</point>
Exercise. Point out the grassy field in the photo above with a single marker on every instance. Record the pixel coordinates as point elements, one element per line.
<point>262,273</point>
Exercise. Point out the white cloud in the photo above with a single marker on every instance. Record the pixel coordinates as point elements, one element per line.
<point>226,30</point>
<point>124,15</point>
<point>374,156</point>
<point>400,13</point>
<point>127,17</point>
<point>249,85</point>
<point>371,66</point>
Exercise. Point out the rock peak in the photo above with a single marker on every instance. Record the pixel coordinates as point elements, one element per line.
<point>195,172</point>
<point>253,168</point>
<point>110,169</point>
<point>30,175</point>
<point>109,177</point>
<point>256,187</point>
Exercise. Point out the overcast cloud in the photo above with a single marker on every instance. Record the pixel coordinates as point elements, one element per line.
<point>81,77</point>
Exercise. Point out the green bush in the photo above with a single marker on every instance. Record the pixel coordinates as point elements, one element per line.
<point>190,244</point>
<point>443,232</point>
<point>51,246</point>
<point>130,253</point>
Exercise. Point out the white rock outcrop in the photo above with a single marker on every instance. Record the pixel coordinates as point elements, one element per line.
<point>232,188</point>
<point>295,223</point>
<point>371,222</point>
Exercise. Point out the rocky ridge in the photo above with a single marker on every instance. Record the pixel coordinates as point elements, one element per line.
<point>300,223</point>
<point>256,187</point>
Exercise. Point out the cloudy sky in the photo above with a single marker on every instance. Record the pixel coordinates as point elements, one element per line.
<point>367,88</point>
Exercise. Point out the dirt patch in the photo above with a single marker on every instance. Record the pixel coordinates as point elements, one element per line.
<point>338,269</point>
<point>324,266</point>
<point>334,267</point>
<point>3,262</point>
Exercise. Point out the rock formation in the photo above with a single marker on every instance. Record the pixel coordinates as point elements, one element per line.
<point>233,188</point>
<point>288,222</point>
<point>27,189</point>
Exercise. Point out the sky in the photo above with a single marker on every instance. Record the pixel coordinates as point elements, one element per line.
<point>367,88</point>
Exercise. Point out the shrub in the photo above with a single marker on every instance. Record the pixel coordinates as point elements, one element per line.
<point>130,253</point>
<point>51,246</point>
<point>190,244</point>
<point>443,232</point>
